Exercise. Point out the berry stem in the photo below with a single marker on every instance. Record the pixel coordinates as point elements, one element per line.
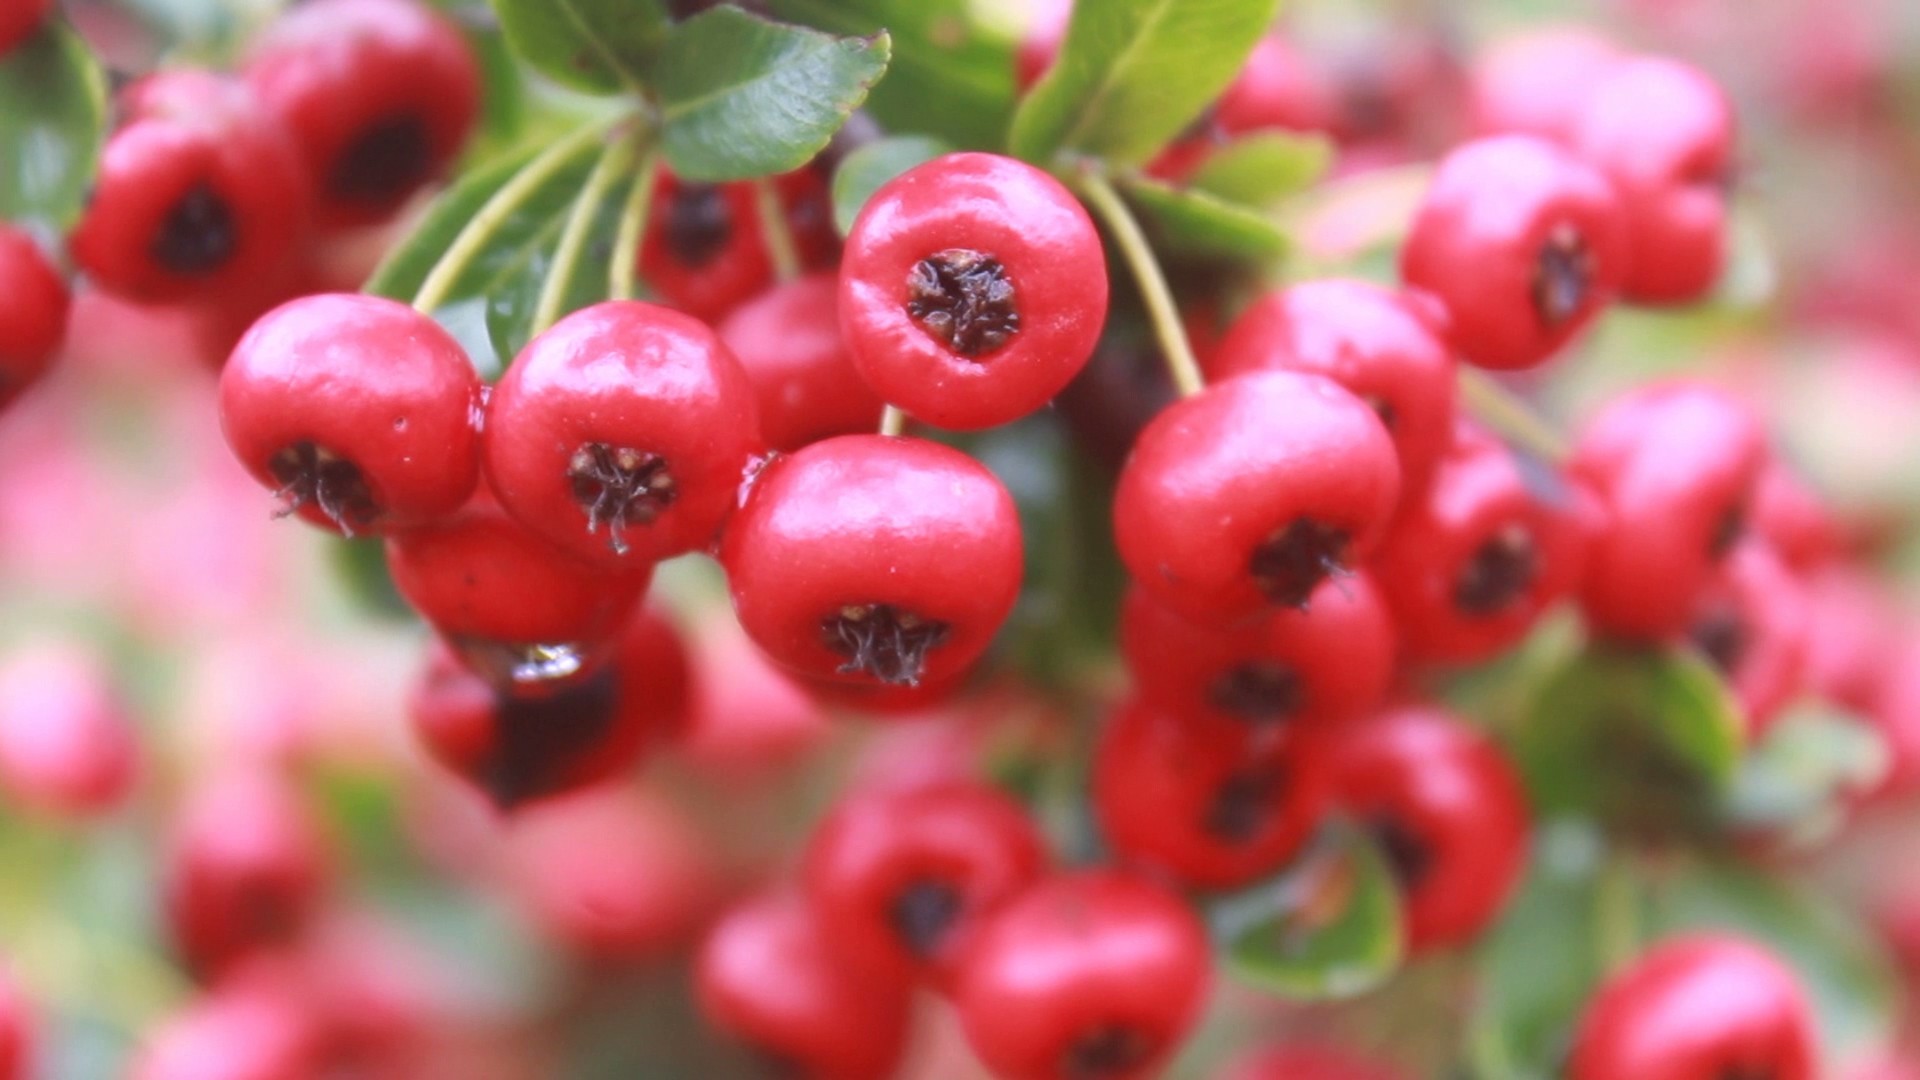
<point>1504,411</point>
<point>1112,211</point>
<point>615,159</point>
<point>893,421</point>
<point>776,234</point>
<point>623,280</point>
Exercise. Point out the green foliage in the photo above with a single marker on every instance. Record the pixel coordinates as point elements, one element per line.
<point>597,46</point>
<point>1328,928</point>
<point>865,170</point>
<point>1264,169</point>
<point>1189,221</point>
<point>52,125</point>
<point>1800,781</point>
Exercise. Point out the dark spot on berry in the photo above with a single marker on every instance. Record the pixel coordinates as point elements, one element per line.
<point>1722,635</point>
<point>1747,1072</point>
<point>1293,562</point>
<point>1562,275</point>
<point>1389,416</point>
<point>1408,854</point>
<point>1107,1051</point>
<point>882,641</point>
<point>267,913</point>
<point>963,299</point>
<point>699,224</point>
<point>541,740</point>
<point>1499,572</point>
<point>198,235</point>
<point>1727,531</point>
<point>312,475</point>
<point>1260,692</point>
<point>1241,805</point>
<point>385,162</point>
<point>923,913</point>
<point>619,487</point>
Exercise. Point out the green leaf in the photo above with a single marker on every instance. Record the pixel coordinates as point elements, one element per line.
<point>1264,170</point>
<point>1803,778</point>
<point>1133,73</point>
<point>866,169</point>
<point>1329,928</point>
<point>943,54</point>
<point>599,46</point>
<point>53,115</point>
<point>743,97</point>
<point>1190,222</point>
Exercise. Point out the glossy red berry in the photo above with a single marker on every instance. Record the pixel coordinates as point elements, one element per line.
<point>380,95</point>
<point>199,192</point>
<point>1537,82</point>
<point>1286,668</point>
<point>18,21</point>
<point>622,434</point>
<point>1087,975</point>
<point>1208,805</point>
<point>972,290</point>
<point>1703,1007</point>
<point>1447,811</point>
<point>1251,493</point>
<point>788,342</point>
<point>1674,466</point>
<point>1470,565</point>
<point>1383,346</point>
<point>360,413</point>
<point>873,559</point>
<point>1752,623</point>
<point>901,880</point>
<point>1542,234</point>
<point>1662,132</point>
<point>1794,520</point>
<point>33,313</point>
<point>703,252</point>
<point>771,977</point>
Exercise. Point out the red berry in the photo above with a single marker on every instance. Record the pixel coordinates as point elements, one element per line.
<point>1704,1007</point>
<point>1541,232</point>
<point>1794,520</point>
<point>1209,805</point>
<point>867,559</point>
<point>901,880</point>
<point>360,413</point>
<point>1331,661</point>
<point>1381,345</point>
<point>199,192</point>
<point>1045,29</point>
<point>788,342</point>
<point>1674,465</point>
<point>245,1031</point>
<point>66,746</point>
<point>1471,564</point>
<point>1091,974</point>
<point>770,976</point>
<point>703,251</point>
<point>748,718</point>
<point>1851,636</point>
<point>1536,82</point>
<point>18,21</point>
<point>380,95</point>
<point>1252,493</point>
<point>1448,812</point>
<point>1662,131</point>
<point>972,290</point>
<point>33,312</point>
<point>1752,624</point>
<point>17,1041</point>
<point>622,434</point>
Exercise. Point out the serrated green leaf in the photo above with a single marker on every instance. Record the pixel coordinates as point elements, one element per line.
<point>1132,74</point>
<point>743,97</point>
<point>1190,222</point>
<point>1329,928</point>
<point>1264,170</point>
<point>53,115</point>
<point>866,169</point>
<point>599,46</point>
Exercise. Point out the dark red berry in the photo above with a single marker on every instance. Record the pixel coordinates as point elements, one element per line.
<point>1542,234</point>
<point>1752,624</point>
<point>972,290</point>
<point>1702,1007</point>
<point>18,21</point>
<point>788,342</point>
<point>1537,82</point>
<point>380,95</point>
<point>1086,976</point>
<point>872,559</point>
<point>33,313</point>
<point>360,413</point>
<point>1251,493</point>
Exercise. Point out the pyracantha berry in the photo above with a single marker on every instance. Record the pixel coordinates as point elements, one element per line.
<point>33,313</point>
<point>243,1029</point>
<point>1794,520</point>
<point>1040,40</point>
<point>705,249</point>
<point>360,413</point>
<point>1752,623</point>
<point>622,434</point>
<point>1536,83</point>
<point>18,21</point>
<point>1851,635</point>
<point>972,290</point>
<point>66,746</point>
<point>788,342</point>
<point>747,718</point>
<point>874,559</point>
<point>1252,493</point>
<point>17,1041</point>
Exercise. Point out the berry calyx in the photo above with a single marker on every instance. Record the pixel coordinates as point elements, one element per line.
<point>882,641</point>
<point>965,299</point>
<point>619,487</point>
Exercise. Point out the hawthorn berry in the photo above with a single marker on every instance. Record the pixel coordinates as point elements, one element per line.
<point>1542,233</point>
<point>1447,811</point>
<point>1701,1007</point>
<point>33,313</point>
<point>1471,563</point>
<point>1252,492</point>
<point>1674,466</point>
<point>379,95</point>
<point>874,559</point>
<point>622,434</point>
<point>770,976</point>
<point>972,290</point>
<point>199,192</point>
<point>1662,132</point>
<point>1536,83</point>
<point>1331,661</point>
<point>360,413</point>
<point>1752,623</point>
<point>1385,347</point>
<point>1093,975</point>
<point>18,22</point>
<point>788,342</point>
<point>1208,805</point>
<point>900,880</point>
